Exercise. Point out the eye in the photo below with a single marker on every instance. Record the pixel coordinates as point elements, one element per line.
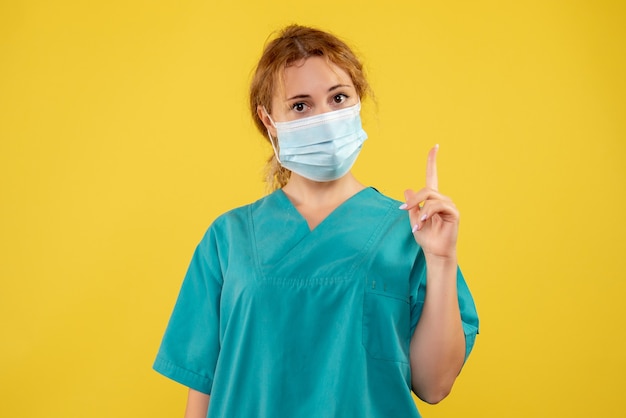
<point>340,98</point>
<point>299,107</point>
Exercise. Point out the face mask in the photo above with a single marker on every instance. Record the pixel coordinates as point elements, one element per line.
<point>321,147</point>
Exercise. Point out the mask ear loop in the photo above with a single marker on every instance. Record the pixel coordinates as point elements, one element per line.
<point>270,136</point>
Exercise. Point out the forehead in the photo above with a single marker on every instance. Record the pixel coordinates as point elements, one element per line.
<point>312,74</point>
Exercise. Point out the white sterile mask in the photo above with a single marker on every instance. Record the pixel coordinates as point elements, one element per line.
<point>322,147</point>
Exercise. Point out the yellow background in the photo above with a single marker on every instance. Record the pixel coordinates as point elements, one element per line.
<point>124,133</point>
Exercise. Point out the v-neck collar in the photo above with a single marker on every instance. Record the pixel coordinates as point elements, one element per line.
<point>286,249</point>
<point>288,205</point>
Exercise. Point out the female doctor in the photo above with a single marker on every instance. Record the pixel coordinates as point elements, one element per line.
<point>324,298</point>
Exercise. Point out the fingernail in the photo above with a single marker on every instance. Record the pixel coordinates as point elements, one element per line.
<point>415,228</point>
<point>403,206</point>
<point>423,218</point>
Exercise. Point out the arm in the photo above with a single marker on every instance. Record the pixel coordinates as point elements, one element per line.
<point>437,348</point>
<point>438,342</point>
<point>197,404</point>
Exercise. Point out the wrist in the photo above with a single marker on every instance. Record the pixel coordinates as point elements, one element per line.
<point>441,261</point>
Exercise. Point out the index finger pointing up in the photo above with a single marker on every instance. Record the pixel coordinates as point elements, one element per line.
<point>432,181</point>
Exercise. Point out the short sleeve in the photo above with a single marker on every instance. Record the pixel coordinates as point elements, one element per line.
<point>190,346</point>
<point>469,316</point>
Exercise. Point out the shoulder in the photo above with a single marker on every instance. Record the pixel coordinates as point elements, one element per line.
<point>397,224</point>
<point>378,196</point>
<point>376,200</point>
<point>237,218</point>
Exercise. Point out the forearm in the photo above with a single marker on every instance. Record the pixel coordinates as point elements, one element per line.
<point>197,404</point>
<point>438,343</point>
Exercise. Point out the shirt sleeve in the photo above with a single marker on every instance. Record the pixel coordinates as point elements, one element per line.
<point>469,316</point>
<point>190,346</point>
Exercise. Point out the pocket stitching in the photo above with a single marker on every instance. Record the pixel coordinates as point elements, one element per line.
<point>366,329</point>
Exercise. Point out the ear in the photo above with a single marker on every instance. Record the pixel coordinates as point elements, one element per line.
<point>260,111</point>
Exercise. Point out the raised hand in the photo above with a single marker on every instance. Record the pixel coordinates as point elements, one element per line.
<point>434,217</point>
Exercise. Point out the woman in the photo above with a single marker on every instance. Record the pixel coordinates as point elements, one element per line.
<point>324,298</point>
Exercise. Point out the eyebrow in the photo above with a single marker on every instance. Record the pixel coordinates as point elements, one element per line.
<point>333,88</point>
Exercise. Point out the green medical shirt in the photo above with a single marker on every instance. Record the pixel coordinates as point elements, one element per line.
<point>275,320</point>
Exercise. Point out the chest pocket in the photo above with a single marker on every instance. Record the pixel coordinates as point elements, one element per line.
<point>386,323</point>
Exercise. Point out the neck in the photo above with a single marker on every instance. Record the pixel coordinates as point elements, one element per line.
<point>302,191</point>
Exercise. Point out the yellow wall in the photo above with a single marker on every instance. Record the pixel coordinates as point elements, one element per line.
<point>124,133</point>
